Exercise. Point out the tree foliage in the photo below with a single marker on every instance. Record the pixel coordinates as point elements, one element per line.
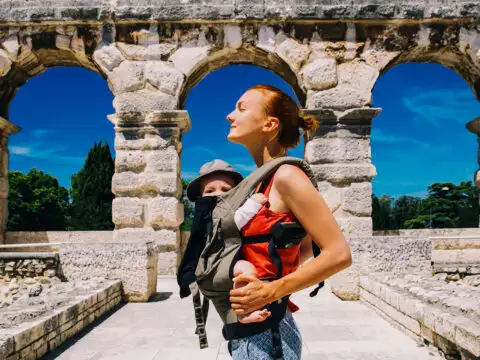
<point>91,192</point>
<point>36,202</point>
<point>446,206</point>
<point>188,208</point>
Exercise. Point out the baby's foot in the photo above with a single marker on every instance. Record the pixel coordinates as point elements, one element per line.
<point>259,198</point>
<point>256,316</point>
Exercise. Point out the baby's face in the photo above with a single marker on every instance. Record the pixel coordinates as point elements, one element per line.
<point>216,184</point>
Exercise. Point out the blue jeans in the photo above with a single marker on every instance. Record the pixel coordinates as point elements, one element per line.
<point>259,346</point>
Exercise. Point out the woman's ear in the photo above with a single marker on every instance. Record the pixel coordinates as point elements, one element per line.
<point>272,124</point>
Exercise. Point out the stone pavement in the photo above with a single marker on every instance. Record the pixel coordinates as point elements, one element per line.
<point>163,329</point>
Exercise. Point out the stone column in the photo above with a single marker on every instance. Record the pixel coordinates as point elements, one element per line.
<point>340,155</point>
<point>147,187</point>
<point>6,129</point>
<point>146,210</point>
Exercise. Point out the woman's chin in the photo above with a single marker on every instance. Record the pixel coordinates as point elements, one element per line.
<point>232,138</point>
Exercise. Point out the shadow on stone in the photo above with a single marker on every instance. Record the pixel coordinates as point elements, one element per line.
<point>160,296</point>
<point>55,353</point>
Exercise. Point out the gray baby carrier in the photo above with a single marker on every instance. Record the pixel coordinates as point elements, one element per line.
<point>214,271</point>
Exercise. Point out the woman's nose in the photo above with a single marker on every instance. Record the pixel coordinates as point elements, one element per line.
<point>230,117</point>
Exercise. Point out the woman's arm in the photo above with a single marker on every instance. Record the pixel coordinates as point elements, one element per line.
<point>306,203</point>
<point>306,250</point>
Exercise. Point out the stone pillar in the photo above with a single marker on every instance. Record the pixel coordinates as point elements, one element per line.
<point>6,129</point>
<point>147,188</point>
<point>340,155</point>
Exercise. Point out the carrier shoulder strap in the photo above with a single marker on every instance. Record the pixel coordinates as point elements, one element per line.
<point>250,183</point>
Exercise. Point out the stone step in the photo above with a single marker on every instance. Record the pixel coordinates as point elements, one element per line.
<point>28,255</point>
<point>456,254</point>
<point>420,312</point>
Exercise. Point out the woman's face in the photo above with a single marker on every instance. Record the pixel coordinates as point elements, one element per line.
<point>248,119</point>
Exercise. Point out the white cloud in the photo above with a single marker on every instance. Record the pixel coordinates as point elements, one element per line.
<point>20,150</point>
<point>439,106</point>
<point>189,175</point>
<point>379,136</point>
<point>41,151</point>
<point>39,133</point>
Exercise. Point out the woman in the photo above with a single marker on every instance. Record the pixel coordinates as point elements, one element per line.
<point>267,121</point>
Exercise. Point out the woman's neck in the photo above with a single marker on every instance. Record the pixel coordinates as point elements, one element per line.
<point>263,153</point>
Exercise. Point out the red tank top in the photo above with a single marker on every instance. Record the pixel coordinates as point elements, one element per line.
<point>258,254</point>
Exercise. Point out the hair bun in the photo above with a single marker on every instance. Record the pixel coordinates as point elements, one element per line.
<point>308,123</point>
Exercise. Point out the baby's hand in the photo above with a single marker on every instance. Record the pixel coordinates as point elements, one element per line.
<point>259,198</point>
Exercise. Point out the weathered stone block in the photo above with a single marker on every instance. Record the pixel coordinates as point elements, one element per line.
<point>467,335</point>
<point>150,52</point>
<point>344,173</point>
<point>136,140</point>
<point>331,194</point>
<point>357,74</point>
<point>131,160</point>
<point>337,150</point>
<point>108,57</point>
<point>164,76</point>
<point>266,38</point>
<point>233,36</point>
<point>167,263</point>
<point>397,255</point>
<point>320,74</point>
<point>163,161</point>
<point>357,199</point>
<point>133,262</point>
<point>12,46</point>
<point>127,212</point>
<point>5,63</point>
<point>144,101</point>
<point>128,76</point>
<point>338,98</point>
<point>186,59</point>
<point>165,212</point>
<point>294,53</point>
<point>63,41</point>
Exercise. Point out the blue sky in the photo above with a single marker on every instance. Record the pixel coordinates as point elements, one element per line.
<point>419,138</point>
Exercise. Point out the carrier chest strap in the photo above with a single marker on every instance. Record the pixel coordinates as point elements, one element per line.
<point>201,313</point>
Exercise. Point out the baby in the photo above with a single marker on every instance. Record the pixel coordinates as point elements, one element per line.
<point>217,184</point>
<point>217,177</point>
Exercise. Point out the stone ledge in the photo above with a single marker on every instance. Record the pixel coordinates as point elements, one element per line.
<point>422,316</point>
<point>34,339</point>
<point>95,11</point>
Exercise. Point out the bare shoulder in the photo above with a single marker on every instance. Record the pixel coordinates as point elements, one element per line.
<point>289,176</point>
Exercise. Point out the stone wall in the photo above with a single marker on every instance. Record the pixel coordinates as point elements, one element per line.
<point>457,257</point>
<point>399,255</point>
<point>151,65</point>
<point>428,309</point>
<point>29,264</point>
<point>94,10</point>
<point>32,339</point>
<point>134,263</point>
<point>428,232</point>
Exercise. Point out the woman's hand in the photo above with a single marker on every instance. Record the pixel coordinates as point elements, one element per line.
<point>253,296</point>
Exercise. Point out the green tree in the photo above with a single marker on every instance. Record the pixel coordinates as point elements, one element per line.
<point>405,208</point>
<point>188,208</point>
<point>36,202</point>
<point>448,206</point>
<point>382,212</point>
<point>91,192</point>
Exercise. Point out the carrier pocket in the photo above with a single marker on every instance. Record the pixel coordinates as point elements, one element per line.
<point>213,249</point>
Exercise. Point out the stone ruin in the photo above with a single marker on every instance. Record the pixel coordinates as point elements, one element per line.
<point>331,54</point>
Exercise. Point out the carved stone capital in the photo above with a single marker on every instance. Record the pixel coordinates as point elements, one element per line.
<point>7,128</point>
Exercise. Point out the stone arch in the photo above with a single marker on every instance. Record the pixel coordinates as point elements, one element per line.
<point>245,55</point>
<point>25,53</point>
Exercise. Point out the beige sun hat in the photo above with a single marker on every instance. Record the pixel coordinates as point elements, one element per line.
<point>215,166</point>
